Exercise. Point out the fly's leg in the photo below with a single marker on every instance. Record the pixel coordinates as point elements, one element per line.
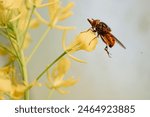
<point>87,30</point>
<point>106,49</point>
<point>92,29</point>
<point>92,40</point>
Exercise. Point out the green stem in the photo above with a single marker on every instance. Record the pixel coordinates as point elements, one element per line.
<point>50,65</point>
<point>39,43</point>
<point>50,94</point>
<point>15,50</point>
<point>24,73</point>
<point>28,23</point>
<point>24,63</point>
<point>21,58</point>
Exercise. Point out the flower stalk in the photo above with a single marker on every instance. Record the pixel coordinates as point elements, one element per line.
<point>50,65</point>
<point>28,23</point>
<point>25,75</point>
<point>39,43</point>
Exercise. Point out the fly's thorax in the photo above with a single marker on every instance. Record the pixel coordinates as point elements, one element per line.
<point>102,28</point>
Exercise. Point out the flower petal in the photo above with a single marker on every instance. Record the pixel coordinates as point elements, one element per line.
<point>65,48</point>
<point>53,8</point>
<point>5,85</point>
<point>62,91</point>
<point>18,91</point>
<point>68,7</point>
<point>86,41</point>
<point>40,18</point>
<point>34,23</point>
<point>65,16</point>
<point>69,82</point>
<point>64,27</point>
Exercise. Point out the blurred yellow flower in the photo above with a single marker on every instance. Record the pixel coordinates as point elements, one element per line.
<point>18,90</point>
<point>36,2</point>
<point>8,85</point>
<point>86,41</point>
<point>5,87</point>
<point>56,79</point>
<point>5,72</point>
<point>22,22</point>
<point>9,11</point>
<point>34,23</point>
<point>11,4</point>
<point>57,13</point>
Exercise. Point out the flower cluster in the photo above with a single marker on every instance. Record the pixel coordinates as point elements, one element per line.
<point>56,78</point>
<point>57,13</point>
<point>17,17</point>
<point>9,86</point>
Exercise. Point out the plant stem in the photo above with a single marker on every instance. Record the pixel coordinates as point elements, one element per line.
<point>39,43</point>
<point>15,50</point>
<point>50,65</point>
<point>24,73</point>
<point>28,23</point>
<point>24,66</point>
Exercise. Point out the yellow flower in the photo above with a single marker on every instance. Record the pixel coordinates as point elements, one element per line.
<point>9,11</point>
<point>38,3</point>
<point>11,89</point>
<point>18,90</point>
<point>5,72</point>
<point>5,84</point>
<point>5,87</point>
<point>56,80</point>
<point>57,13</point>
<point>22,22</point>
<point>11,4</point>
<point>86,41</point>
<point>4,17</point>
<point>34,23</point>
<point>9,85</point>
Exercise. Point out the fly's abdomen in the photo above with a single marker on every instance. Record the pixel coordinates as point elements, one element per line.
<point>109,39</point>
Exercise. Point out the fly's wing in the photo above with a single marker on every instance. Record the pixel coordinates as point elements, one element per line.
<point>118,41</point>
<point>108,39</point>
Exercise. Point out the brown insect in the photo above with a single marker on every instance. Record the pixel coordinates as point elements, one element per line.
<point>104,32</point>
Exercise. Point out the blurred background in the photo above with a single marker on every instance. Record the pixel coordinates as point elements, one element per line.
<point>124,76</point>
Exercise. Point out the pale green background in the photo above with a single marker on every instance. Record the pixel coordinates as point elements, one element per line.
<point>124,76</point>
